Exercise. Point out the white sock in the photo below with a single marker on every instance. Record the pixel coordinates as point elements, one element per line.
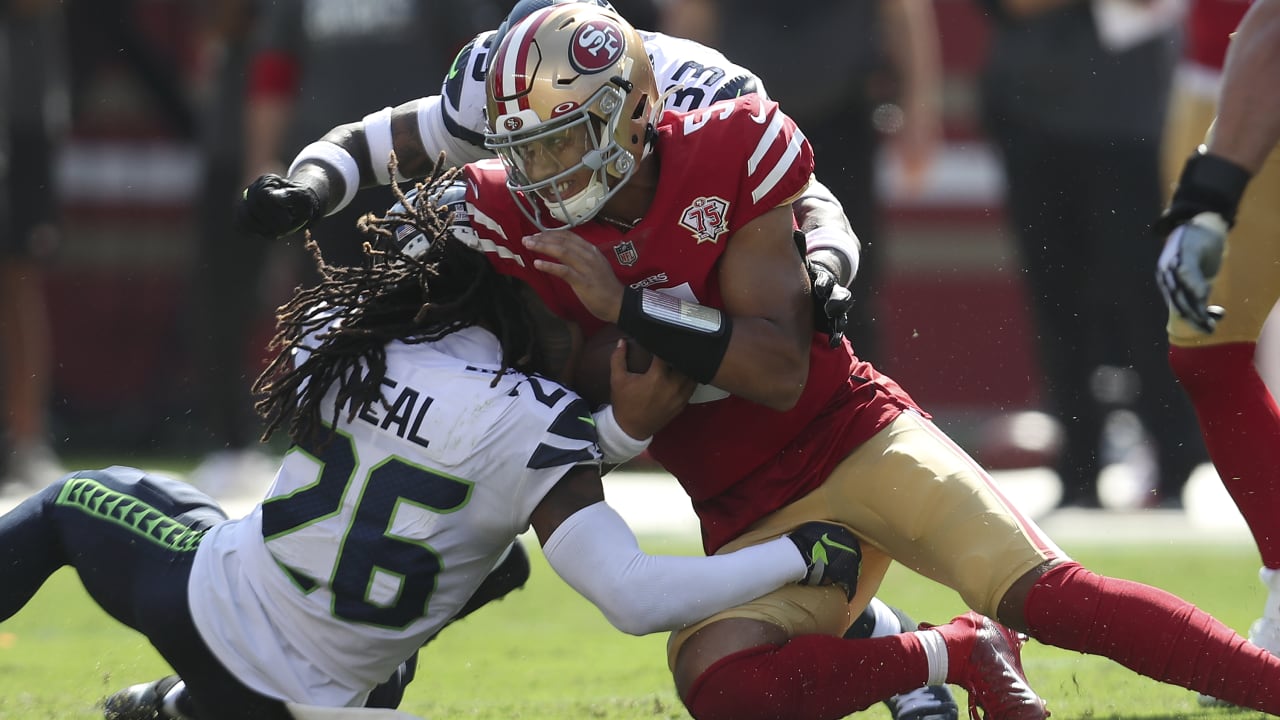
<point>886,622</point>
<point>1271,579</point>
<point>935,651</point>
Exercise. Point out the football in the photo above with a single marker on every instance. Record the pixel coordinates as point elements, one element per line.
<point>591,379</point>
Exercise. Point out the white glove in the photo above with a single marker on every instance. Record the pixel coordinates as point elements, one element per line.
<point>1188,264</point>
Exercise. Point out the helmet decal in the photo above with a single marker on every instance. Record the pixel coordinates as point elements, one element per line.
<point>562,108</point>
<point>596,46</point>
<point>514,62</point>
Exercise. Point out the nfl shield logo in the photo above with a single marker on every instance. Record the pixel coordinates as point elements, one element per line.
<point>625,251</point>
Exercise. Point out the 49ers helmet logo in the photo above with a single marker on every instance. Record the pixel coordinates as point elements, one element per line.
<point>596,46</point>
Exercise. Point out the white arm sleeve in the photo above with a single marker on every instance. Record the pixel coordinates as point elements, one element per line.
<point>597,554</point>
<point>332,155</point>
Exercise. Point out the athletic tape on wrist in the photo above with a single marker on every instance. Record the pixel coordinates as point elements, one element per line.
<point>377,133</point>
<point>331,157</point>
<point>615,444</point>
<point>692,338</point>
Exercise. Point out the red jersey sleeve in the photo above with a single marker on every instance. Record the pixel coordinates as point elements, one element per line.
<point>750,138</point>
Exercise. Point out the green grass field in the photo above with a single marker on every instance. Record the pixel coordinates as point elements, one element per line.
<point>546,654</point>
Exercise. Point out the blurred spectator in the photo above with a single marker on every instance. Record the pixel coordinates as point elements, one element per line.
<point>846,72</point>
<point>310,65</point>
<point>1074,96</point>
<point>34,115</point>
<point>224,308</point>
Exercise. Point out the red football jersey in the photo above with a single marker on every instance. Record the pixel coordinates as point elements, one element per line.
<point>721,167</point>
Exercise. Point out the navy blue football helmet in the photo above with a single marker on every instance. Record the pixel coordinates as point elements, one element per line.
<point>451,202</point>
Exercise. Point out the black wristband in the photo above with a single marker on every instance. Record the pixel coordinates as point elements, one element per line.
<point>692,338</point>
<point>1208,184</point>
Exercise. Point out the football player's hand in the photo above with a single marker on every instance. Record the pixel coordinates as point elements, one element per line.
<point>580,264</point>
<point>831,301</point>
<point>275,206</point>
<point>832,553</point>
<point>1194,228</point>
<point>644,402</point>
<point>1188,264</point>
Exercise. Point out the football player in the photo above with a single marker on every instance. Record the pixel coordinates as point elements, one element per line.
<point>676,228</point>
<point>326,175</point>
<point>1221,288</point>
<point>393,502</point>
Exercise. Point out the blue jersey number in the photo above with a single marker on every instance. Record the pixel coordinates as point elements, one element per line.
<point>369,547</point>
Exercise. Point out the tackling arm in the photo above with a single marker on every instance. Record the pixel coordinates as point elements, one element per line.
<point>589,545</point>
<point>829,237</point>
<point>327,174</point>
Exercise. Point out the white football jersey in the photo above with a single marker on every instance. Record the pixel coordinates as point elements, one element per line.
<point>690,76</point>
<point>366,545</point>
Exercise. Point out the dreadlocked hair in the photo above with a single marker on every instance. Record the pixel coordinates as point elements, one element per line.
<point>342,324</point>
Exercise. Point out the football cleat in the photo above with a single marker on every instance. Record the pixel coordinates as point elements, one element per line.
<point>992,672</point>
<point>142,702</point>
<point>931,702</point>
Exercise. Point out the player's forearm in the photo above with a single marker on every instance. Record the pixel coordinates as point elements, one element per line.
<point>355,155</point>
<point>829,237</point>
<point>767,361</point>
<point>597,554</point>
<point>1248,124</point>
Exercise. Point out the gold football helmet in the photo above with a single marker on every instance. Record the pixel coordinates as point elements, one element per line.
<point>571,101</point>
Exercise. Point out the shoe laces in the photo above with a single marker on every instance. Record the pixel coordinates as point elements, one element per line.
<point>996,682</point>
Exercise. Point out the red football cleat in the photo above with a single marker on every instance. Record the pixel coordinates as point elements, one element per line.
<point>990,668</point>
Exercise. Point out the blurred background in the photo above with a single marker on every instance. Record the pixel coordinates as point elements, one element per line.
<point>155,96</point>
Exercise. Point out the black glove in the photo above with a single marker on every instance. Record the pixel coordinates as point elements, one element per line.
<point>832,553</point>
<point>831,301</point>
<point>274,206</point>
<point>1208,184</point>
